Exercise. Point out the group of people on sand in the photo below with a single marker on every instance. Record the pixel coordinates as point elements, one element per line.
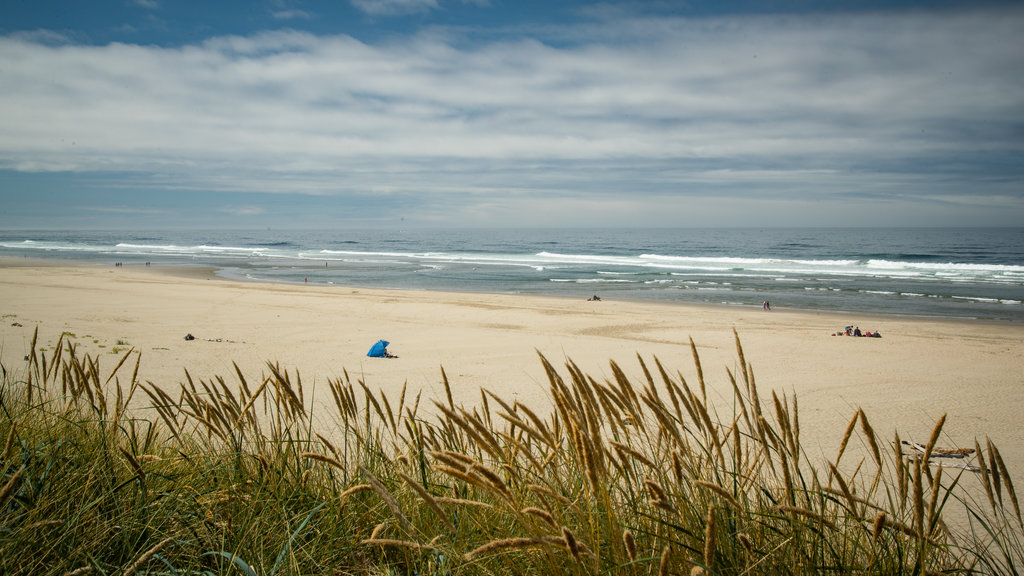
<point>855,331</point>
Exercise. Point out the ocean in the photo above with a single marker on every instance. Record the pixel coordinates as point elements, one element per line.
<point>975,273</point>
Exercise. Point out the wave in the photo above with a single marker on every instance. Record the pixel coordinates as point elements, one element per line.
<point>591,281</point>
<point>988,300</point>
<point>641,266</point>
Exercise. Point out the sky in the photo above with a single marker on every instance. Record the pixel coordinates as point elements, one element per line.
<point>136,114</point>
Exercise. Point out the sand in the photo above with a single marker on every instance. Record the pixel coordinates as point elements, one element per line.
<point>970,370</point>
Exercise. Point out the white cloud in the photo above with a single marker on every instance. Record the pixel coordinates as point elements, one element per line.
<point>252,210</point>
<point>803,108</point>
<point>394,7</point>
<point>292,15</point>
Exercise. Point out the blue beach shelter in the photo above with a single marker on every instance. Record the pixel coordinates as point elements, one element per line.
<point>379,349</point>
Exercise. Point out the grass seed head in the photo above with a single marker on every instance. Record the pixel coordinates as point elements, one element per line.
<point>630,544</point>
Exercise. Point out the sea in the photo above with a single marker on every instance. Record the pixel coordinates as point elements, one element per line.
<point>967,273</point>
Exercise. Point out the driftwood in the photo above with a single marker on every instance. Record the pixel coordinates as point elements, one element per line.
<point>946,457</point>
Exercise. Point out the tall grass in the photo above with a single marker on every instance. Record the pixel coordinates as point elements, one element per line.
<point>103,474</point>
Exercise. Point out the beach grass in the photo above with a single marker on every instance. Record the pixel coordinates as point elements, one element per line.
<point>103,474</point>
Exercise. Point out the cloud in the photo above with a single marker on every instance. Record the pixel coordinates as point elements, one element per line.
<point>124,210</point>
<point>292,15</point>
<point>147,4</point>
<point>669,111</point>
<point>394,7</point>
<point>251,210</point>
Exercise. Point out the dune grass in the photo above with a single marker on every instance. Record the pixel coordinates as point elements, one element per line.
<point>103,474</point>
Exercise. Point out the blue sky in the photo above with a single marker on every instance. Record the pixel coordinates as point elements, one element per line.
<point>470,113</point>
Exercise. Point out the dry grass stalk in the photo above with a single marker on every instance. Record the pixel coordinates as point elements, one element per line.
<point>392,504</point>
<point>742,405</point>
<point>851,502</point>
<point>505,544</point>
<point>447,389</point>
<point>700,371</point>
<point>739,354</point>
<point>613,416</point>
<point>80,571</point>
<point>630,544</point>
<point>570,543</point>
<point>391,415</point>
<point>147,555</point>
<point>9,445</point>
<point>765,444</point>
<point>461,474</point>
<point>495,481</point>
<point>550,493</point>
<point>454,459</point>
<point>847,434</point>
<point>323,458</point>
<point>677,466</point>
<point>654,489</point>
<point>623,449</point>
<point>810,514</point>
<point>530,430</point>
<point>485,434</point>
<point>136,467</point>
<point>666,506</point>
<point>586,454</point>
<point>427,499</point>
<point>787,479</point>
<point>544,515</point>
<point>537,422</point>
<point>667,428</point>
<point>8,490</point>
<point>909,531</point>
<point>252,399</point>
<point>994,454</point>
<point>43,524</point>
<point>632,403</point>
<point>933,438</point>
<point>782,417</point>
<point>725,494</point>
<point>747,545</point>
<point>795,426</point>
<point>995,476</point>
<point>930,516</point>
<point>901,470</point>
<point>397,543</point>
<point>461,502</point>
<point>709,538</point>
<point>378,530</point>
<point>877,526</point>
<point>663,564</point>
<point>355,489</point>
<point>918,497</point>
<point>869,433</point>
<point>372,401</point>
<point>470,430</point>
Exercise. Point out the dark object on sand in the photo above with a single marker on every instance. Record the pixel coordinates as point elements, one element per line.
<point>189,336</point>
<point>594,298</point>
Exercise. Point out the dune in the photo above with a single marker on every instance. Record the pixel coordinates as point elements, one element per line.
<point>918,370</point>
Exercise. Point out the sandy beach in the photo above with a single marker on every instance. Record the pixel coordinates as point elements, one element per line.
<point>905,380</point>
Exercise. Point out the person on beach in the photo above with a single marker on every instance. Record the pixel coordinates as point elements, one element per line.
<point>766,305</point>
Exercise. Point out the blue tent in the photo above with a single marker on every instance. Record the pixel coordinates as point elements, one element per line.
<point>379,349</point>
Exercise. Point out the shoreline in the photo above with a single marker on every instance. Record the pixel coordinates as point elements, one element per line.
<point>919,369</point>
<point>211,272</point>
